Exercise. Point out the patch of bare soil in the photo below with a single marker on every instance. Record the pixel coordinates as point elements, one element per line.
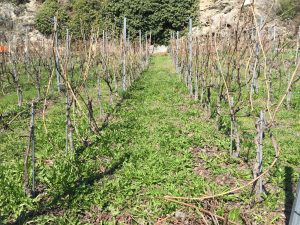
<point>97,216</point>
<point>206,214</point>
<point>247,212</point>
<point>202,170</point>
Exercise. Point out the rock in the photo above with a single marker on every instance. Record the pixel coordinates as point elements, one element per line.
<point>248,3</point>
<point>225,13</point>
<point>180,215</point>
<point>16,20</point>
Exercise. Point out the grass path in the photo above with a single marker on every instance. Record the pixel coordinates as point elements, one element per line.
<point>144,154</point>
<point>156,143</point>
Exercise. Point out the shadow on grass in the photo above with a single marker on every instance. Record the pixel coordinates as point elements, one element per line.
<point>71,192</point>
<point>105,124</point>
<point>288,190</point>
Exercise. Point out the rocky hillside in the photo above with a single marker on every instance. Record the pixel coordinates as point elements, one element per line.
<point>17,19</point>
<point>214,12</point>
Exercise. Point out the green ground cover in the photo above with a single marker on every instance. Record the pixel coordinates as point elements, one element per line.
<point>157,142</point>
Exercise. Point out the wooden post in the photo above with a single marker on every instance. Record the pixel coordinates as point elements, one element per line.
<point>90,114</point>
<point>124,54</point>
<point>289,95</point>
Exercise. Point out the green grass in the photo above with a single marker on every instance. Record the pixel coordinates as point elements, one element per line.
<point>288,9</point>
<point>145,153</point>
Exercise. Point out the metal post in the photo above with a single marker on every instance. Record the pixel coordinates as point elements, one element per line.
<point>260,155</point>
<point>140,41</point>
<point>289,94</point>
<point>177,51</point>
<point>254,87</point>
<point>190,85</point>
<point>146,39</point>
<point>298,47</point>
<point>103,42</point>
<point>33,148</point>
<point>57,69</point>
<point>67,122</point>
<point>231,128</point>
<point>274,37</point>
<point>150,40</point>
<point>295,213</point>
<point>26,52</point>
<point>124,54</point>
<point>67,43</point>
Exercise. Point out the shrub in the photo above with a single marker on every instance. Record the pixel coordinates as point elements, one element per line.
<point>44,17</point>
<point>77,15</point>
<point>85,15</point>
<point>157,16</point>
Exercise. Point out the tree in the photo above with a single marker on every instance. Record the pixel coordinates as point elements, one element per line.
<point>85,15</point>
<point>44,17</point>
<point>80,16</point>
<point>158,16</point>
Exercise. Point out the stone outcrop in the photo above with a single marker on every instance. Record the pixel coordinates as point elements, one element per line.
<point>225,13</point>
<point>16,20</point>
